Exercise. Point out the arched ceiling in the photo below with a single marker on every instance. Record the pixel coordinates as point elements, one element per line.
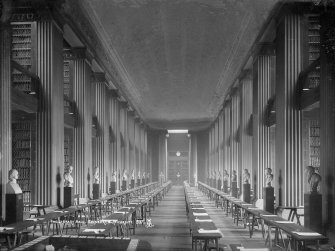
<point>179,56</point>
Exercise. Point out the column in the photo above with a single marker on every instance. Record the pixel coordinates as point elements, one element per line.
<point>235,137</point>
<point>289,173</point>
<point>246,124</point>
<point>50,117</point>
<point>227,138</point>
<point>263,90</point>
<point>82,142</point>
<point>327,125</point>
<point>5,111</point>
<point>102,140</point>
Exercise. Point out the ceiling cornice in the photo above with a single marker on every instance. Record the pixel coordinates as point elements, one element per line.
<point>82,19</point>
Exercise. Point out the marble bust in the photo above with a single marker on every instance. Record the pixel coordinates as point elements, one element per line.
<point>225,175</point>
<point>234,176</point>
<point>113,177</point>
<point>96,175</point>
<point>12,187</point>
<point>68,179</point>
<point>246,176</point>
<point>313,179</point>
<point>268,177</point>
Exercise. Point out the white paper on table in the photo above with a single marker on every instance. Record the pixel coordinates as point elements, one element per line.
<point>204,231</point>
<point>307,233</point>
<point>197,208</point>
<point>284,221</point>
<point>129,207</point>
<point>58,211</point>
<point>108,221</point>
<point>200,214</point>
<point>203,220</point>
<point>96,231</point>
<point>6,228</point>
<point>268,215</point>
<point>256,209</point>
<point>120,212</point>
<point>32,219</point>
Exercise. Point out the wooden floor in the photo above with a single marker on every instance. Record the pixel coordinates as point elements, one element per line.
<point>171,228</point>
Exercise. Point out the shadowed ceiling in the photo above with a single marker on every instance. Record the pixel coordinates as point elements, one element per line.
<point>179,56</point>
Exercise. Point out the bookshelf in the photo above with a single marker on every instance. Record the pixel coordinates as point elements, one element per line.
<point>22,53</point>
<point>68,146</point>
<point>314,143</point>
<point>313,49</point>
<point>21,156</point>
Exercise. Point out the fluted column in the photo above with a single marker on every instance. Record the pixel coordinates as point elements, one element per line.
<point>245,127</point>
<point>227,137</point>
<point>82,142</point>
<point>131,135</point>
<point>50,116</point>
<point>327,125</point>
<point>101,157</point>
<point>112,131</point>
<point>263,79</point>
<point>118,145</point>
<point>289,173</point>
<point>220,146</point>
<point>235,124</point>
<point>5,111</point>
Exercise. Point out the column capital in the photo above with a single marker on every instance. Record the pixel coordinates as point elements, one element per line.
<point>99,77</point>
<point>265,49</point>
<point>114,93</point>
<point>77,53</point>
<point>124,104</point>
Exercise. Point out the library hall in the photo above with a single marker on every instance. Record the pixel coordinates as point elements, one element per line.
<point>167,125</point>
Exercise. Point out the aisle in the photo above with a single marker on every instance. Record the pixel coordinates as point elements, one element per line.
<point>171,229</point>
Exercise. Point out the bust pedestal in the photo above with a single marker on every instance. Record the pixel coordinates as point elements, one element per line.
<point>113,187</point>
<point>68,196</point>
<point>132,183</point>
<point>219,184</point>
<point>269,199</point>
<point>225,186</point>
<point>143,181</point>
<point>234,189</point>
<point>148,180</point>
<point>313,211</point>
<point>96,191</point>
<point>246,193</point>
<point>124,185</point>
<point>138,182</point>
<point>14,208</point>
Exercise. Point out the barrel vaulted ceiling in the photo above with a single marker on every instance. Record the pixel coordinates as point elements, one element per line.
<point>178,57</point>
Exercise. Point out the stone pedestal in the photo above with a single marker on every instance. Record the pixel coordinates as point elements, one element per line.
<point>96,191</point>
<point>132,183</point>
<point>313,211</point>
<point>269,199</point>
<point>246,193</point>
<point>219,184</point>
<point>208,181</point>
<point>124,185</point>
<point>14,208</point>
<point>68,196</point>
<point>138,182</point>
<point>143,181</point>
<point>225,186</point>
<point>234,189</point>
<point>113,187</point>
<point>148,180</point>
